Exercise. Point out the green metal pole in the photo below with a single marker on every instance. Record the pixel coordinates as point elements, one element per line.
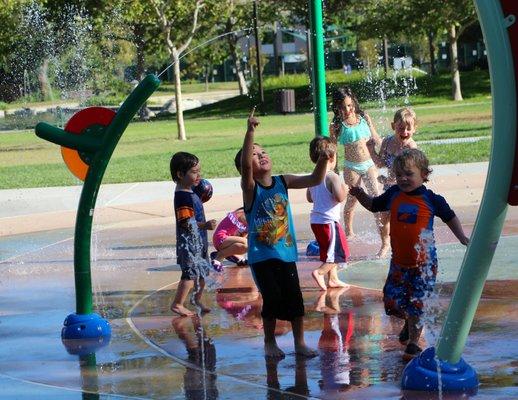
<point>491,215</point>
<point>318,69</point>
<point>85,212</point>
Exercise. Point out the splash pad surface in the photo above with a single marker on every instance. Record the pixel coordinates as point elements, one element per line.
<point>154,354</point>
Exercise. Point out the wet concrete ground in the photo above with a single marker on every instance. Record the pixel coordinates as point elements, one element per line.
<point>155,355</point>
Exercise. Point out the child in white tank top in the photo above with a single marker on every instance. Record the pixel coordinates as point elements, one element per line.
<point>325,216</point>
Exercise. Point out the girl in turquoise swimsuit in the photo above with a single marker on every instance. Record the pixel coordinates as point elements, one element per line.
<point>354,129</point>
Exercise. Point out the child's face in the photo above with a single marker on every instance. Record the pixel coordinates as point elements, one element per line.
<point>261,160</point>
<point>404,130</point>
<point>347,107</point>
<point>410,177</point>
<point>192,177</point>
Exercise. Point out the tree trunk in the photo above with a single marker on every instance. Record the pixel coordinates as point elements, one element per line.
<point>43,79</point>
<point>207,72</point>
<point>454,61</point>
<point>178,95</point>
<point>232,44</point>
<point>385,55</point>
<point>431,49</point>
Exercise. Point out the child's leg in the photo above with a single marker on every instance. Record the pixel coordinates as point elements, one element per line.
<point>297,325</point>
<point>270,343</point>
<point>351,178</point>
<point>199,285</point>
<point>181,295</point>
<point>318,274</point>
<point>385,234</point>
<point>230,246</point>
<point>370,179</point>
<point>414,329</point>
<point>334,281</point>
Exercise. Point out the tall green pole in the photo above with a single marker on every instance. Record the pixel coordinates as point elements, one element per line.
<point>491,215</point>
<point>99,142</point>
<point>318,67</point>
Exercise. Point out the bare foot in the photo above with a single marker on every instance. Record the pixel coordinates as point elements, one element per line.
<point>337,283</point>
<point>383,252</point>
<point>305,351</point>
<point>334,297</point>
<point>202,307</point>
<point>350,234</point>
<point>320,305</point>
<point>271,350</point>
<point>181,310</point>
<point>319,279</point>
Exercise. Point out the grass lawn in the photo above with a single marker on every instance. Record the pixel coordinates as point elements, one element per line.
<point>145,148</point>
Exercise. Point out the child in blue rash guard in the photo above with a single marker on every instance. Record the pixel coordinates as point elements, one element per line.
<point>272,246</point>
<point>413,266</point>
<point>191,232</point>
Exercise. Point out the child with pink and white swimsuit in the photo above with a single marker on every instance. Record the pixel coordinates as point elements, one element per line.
<point>229,239</point>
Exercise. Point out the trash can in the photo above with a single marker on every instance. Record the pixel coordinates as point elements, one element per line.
<point>286,101</point>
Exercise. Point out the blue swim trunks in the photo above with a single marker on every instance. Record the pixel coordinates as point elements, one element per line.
<point>406,288</point>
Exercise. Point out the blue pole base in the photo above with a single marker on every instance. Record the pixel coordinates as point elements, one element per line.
<point>84,347</point>
<point>85,326</point>
<point>422,374</point>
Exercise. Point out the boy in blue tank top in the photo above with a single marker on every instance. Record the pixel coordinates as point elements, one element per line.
<point>272,246</point>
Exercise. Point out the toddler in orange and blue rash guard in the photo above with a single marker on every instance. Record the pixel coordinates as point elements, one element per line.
<point>413,266</point>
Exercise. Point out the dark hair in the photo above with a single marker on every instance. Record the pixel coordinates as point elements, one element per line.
<point>237,160</point>
<point>182,162</point>
<point>321,145</point>
<point>415,157</point>
<point>339,94</point>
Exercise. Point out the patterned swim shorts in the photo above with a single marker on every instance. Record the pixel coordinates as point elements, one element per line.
<point>406,288</point>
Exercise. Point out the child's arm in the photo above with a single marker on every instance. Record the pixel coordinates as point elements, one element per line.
<point>337,187</point>
<point>247,176</point>
<point>304,181</point>
<point>374,133</point>
<point>208,225</point>
<point>364,199</point>
<point>378,158</point>
<point>308,196</point>
<point>456,227</point>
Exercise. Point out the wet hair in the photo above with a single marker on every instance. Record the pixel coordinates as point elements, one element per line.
<point>321,145</point>
<point>409,157</point>
<point>338,96</point>
<point>182,162</point>
<point>404,115</point>
<point>237,158</point>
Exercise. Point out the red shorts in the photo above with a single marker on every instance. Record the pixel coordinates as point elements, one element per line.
<point>332,242</point>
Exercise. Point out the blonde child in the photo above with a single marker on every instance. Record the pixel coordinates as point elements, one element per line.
<point>325,215</point>
<point>191,233</point>
<point>272,246</point>
<point>353,128</point>
<point>413,266</point>
<point>404,126</point>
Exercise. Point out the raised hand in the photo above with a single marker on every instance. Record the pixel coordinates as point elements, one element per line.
<point>252,121</point>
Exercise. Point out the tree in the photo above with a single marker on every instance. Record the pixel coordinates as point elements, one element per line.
<point>178,21</point>
<point>419,17</point>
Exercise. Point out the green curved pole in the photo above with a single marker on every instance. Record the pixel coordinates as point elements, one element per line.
<point>318,70</point>
<point>102,150</point>
<point>491,215</point>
